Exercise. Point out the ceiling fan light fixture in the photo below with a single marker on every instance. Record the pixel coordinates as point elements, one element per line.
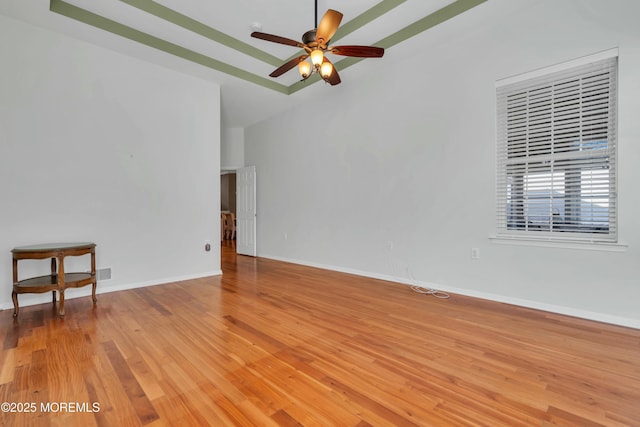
<point>317,56</point>
<point>326,69</point>
<point>315,44</point>
<point>304,67</point>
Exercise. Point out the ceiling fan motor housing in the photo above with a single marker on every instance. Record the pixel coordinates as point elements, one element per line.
<point>309,38</point>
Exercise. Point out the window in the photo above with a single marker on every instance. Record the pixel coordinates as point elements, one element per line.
<point>556,154</point>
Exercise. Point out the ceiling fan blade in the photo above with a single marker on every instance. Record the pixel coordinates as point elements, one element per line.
<point>359,51</point>
<point>334,77</point>
<point>328,26</point>
<point>276,39</point>
<point>287,66</point>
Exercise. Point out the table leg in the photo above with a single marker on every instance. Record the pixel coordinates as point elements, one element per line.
<point>14,297</point>
<point>61,308</point>
<point>93,276</point>
<point>61,286</point>
<point>54,272</point>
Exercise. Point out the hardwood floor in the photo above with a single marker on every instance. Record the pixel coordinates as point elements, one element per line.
<point>271,343</point>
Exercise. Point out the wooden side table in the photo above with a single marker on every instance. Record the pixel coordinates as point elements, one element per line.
<point>58,280</point>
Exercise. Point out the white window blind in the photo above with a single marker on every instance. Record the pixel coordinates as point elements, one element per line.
<point>556,154</point>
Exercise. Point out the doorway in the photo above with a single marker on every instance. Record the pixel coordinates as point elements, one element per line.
<point>238,210</point>
<point>227,208</point>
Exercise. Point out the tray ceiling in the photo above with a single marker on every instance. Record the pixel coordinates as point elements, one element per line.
<point>211,39</point>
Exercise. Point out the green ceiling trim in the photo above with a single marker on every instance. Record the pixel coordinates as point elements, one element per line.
<point>197,27</point>
<point>90,18</point>
<point>438,17</point>
<point>366,17</point>
<point>149,6</point>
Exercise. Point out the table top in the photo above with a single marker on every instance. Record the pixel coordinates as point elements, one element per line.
<point>48,247</point>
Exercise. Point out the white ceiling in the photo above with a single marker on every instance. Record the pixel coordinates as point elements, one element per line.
<point>243,102</point>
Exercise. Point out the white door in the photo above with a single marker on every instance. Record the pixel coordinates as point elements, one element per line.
<point>246,211</point>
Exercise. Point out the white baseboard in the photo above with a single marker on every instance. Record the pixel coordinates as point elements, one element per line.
<point>557,309</point>
<point>72,293</point>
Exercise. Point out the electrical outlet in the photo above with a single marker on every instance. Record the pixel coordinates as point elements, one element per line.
<point>475,253</point>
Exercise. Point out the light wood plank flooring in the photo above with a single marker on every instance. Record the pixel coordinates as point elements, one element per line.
<point>271,343</point>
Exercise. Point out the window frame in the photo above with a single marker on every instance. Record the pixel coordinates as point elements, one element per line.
<point>571,232</point>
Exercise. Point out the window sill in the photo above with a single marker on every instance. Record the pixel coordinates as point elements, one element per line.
<point>559,243</point>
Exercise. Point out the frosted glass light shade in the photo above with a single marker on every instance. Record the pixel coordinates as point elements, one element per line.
<point>317,57</point>
<point>326,69</point>
<point>304,68</point>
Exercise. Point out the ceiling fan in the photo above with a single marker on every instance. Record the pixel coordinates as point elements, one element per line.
<point>316,44</point>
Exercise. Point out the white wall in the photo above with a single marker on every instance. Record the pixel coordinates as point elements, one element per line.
<point>232,148</point>
<point>399,181</point>
<point>97,146</point>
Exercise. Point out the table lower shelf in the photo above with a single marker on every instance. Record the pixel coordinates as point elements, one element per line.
<point>50,282</point>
